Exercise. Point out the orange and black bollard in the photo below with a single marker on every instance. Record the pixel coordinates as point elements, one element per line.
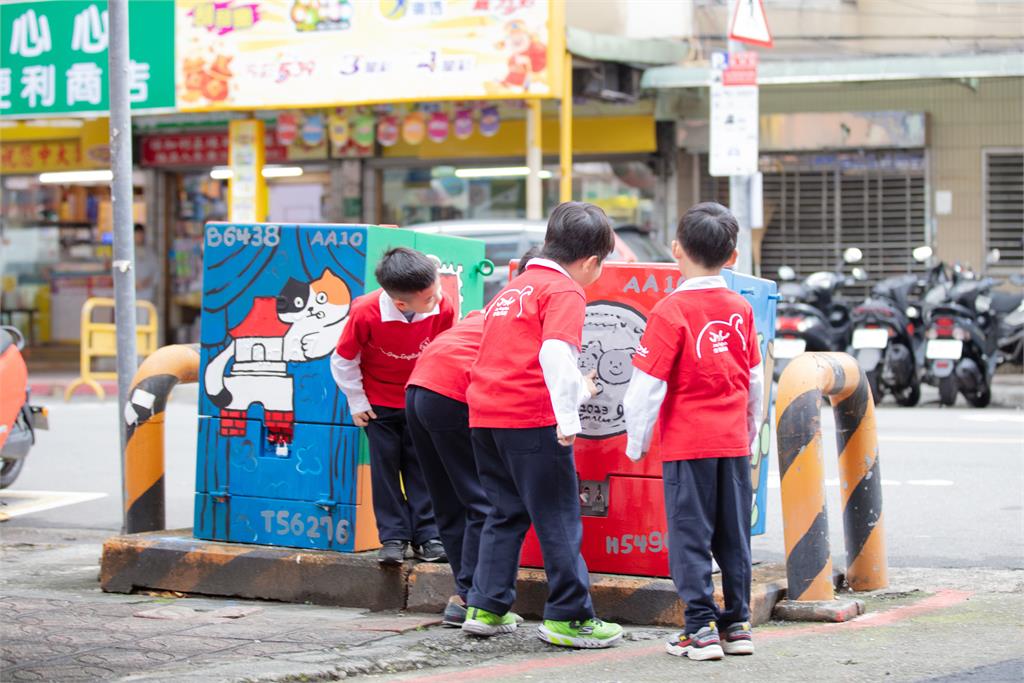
<point>144,420</point>
<point>801,467</point>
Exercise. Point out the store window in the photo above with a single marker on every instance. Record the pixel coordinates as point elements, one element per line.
<point>624,189</point>
<point>56,245</point>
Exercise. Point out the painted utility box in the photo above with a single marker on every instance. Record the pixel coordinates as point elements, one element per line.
<point>622,502</point>
<point>279,461</point>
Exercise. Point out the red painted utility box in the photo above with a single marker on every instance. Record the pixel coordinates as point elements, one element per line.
<point>622,502</point>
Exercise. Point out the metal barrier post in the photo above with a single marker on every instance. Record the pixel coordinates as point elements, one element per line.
<point>144,426</point>
<point>801,467</point>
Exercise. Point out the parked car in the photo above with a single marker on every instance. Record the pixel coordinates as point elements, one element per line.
<point>505,240</point>
<point>643,244</point>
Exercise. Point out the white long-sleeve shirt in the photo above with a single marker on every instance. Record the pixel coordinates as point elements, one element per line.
<point>645,394</point>
<point>567,386</point>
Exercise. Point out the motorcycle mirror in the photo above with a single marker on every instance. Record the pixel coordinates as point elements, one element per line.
<point>787,273</point>
<point>859,274</point>
<point>992,257</point>
<point>922,254</point>
<point>853,255</point>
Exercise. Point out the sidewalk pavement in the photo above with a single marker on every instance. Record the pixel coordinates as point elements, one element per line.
<point>60,626</point>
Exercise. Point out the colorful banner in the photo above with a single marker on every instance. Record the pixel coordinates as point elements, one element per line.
<point>55,56</point>
<point>249,54</point>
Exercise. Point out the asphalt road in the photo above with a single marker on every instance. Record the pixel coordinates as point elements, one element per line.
<point>953,480</point>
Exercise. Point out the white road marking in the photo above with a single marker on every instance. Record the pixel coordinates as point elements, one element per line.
<point>18,503</point>
<point>775,482</point>
<point>993,417</point>
<point>913,438</point>
<point>930,482</point>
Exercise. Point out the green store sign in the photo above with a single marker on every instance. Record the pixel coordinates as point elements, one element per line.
<point>53,56</point>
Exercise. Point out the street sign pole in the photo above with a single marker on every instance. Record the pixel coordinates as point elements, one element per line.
<point>121,203</point>
<point>739,204</point>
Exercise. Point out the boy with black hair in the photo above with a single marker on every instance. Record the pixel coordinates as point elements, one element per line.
<point>438,418</point>
<point>524,396</point>
<point>384,334</point>
<point>697,371</point>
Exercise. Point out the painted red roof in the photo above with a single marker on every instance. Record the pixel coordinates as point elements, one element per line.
<point>262,320</point>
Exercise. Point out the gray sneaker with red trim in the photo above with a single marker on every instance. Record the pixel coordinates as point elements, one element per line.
<point>702,645</point>
<point>738,640</point>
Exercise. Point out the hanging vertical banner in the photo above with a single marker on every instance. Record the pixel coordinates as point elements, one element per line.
<point>250,54</point>
<point>55,57</point>
<point>247,190</point>
<point>734,114</point>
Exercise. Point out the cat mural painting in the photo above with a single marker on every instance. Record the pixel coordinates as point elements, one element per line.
<point>279,459</point>
<point>301,324</point>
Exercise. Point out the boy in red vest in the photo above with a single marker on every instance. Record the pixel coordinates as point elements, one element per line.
<point>698,371</point>
<point>438,417</point>
<point>524,396</point>
<point>385,333</point>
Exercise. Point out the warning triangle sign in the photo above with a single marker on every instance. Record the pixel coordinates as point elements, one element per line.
<point>750,24</point>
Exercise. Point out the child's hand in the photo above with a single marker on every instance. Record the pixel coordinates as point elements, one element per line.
<point>591,385</point>
<point>638,457</point>
<point>363,419</point>
<point>564,440</point>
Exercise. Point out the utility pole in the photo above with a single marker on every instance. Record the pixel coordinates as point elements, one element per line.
<point>121,198</point>
<point>739,203</point>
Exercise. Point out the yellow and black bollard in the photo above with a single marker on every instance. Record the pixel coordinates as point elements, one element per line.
<point>144,420</point>
<point>801,467</point>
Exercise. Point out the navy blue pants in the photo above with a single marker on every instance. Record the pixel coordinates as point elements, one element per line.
<point>707,503</point>
<point>530,478</point>
<point>440,432</point>
<point>401,516</point>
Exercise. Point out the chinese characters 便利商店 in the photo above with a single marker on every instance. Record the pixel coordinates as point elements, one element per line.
<point>31,38</point>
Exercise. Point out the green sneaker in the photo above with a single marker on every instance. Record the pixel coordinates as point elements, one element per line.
<point>590,634</point>
<point>480,622</point>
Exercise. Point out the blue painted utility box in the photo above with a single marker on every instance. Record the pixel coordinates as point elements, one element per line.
<point>278,461</point>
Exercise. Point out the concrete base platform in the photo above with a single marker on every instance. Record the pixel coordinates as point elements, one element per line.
<point>174,561</point>
<point>838,610</point>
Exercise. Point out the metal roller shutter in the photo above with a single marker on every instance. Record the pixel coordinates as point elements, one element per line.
<point>1004,206</point>
<point>815,206</point>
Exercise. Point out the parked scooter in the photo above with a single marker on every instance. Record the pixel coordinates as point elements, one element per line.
<point>888,334</point>
<point>809,316</point>
<point>962,339</point>
<point>19,420</point>
<point>1009,307</point>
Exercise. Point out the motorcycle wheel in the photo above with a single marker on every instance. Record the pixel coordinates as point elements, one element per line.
<point>981,399</point>
<point>911,396</point>
<point>947,391</point>
<point>10,471</point>
<point>875,382</point>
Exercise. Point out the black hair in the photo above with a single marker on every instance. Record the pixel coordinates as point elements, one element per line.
<point>405,271</point>
<point>577,230</point>
<point>524,260</point>
<point>708,234</point>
